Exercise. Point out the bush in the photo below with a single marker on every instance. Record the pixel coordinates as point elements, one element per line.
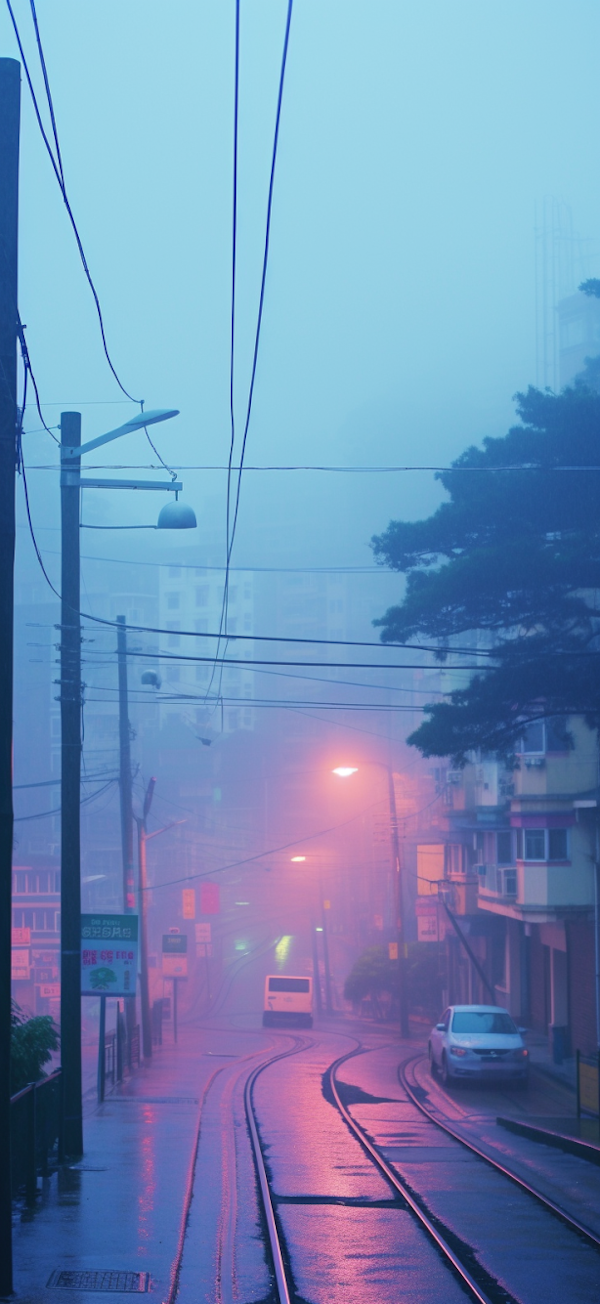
<point>371,976</point>
<point>31,1044</point>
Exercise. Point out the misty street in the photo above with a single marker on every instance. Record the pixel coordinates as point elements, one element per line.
<point>299,651</point>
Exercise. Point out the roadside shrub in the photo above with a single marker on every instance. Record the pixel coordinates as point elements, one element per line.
<point>31,1044</point>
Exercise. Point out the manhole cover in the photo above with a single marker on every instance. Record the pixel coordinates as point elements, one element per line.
<point>104,1280</point>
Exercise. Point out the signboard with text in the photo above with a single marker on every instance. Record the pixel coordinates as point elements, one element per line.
<point>109,955</point>
<point>20,937</point>
<point>188,902</point>
<point>210,903</point>
<point>174,955</point>
<point>19,964</point>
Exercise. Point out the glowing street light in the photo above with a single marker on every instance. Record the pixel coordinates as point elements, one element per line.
<point>344,772</point>
<point>295,859</point>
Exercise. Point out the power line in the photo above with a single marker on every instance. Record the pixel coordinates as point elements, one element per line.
<point>56,162</point>
<point>342,470</point>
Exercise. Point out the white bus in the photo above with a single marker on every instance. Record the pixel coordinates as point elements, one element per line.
<point>288,1000</point>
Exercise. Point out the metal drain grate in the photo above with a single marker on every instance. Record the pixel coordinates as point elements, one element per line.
<point>133,1283</point>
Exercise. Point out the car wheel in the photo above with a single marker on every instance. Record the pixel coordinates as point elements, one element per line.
<point>432,1063</point>
<point>446,1077</point>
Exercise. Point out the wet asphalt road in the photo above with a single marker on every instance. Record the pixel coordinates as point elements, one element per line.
<point>179,1126</point>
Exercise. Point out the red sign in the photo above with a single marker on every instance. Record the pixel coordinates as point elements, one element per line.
<point>21,936</point>
<point>209,899</point>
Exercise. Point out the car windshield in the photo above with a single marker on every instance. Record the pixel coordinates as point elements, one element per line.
<point>482,1021</point>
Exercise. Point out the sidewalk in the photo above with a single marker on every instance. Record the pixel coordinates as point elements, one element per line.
<point>119,1210</point>
<point>540,1058</point>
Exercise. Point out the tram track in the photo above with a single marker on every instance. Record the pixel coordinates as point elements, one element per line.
<point>413,1090</point>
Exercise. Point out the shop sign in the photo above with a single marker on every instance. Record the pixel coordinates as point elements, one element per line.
<point>109,955</point>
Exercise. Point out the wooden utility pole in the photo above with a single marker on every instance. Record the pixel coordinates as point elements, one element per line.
<point>70,716</point>
<point>10,97</point>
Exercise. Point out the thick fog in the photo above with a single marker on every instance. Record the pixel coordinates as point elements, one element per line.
<point>420,146</point>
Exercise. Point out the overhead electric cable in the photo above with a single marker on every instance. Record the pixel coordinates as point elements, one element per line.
<point>56,162</point>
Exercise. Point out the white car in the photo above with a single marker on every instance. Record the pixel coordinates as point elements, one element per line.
<point>478,1041</point>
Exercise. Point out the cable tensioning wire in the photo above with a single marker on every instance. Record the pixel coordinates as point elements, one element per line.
<point>57,168</point>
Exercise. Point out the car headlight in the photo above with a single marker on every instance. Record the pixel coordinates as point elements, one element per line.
<point>457,1050</point>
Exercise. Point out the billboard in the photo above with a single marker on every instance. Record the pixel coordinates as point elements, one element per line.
<point>109,955</point>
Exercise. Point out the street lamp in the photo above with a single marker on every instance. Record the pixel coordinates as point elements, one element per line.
<point>344,772</point>
<point>319,929</point>
<point>71,484</point>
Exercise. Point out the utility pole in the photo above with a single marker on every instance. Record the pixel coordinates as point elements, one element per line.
<point>70,716</point>
<point>125,770</point>
<point>143,914</point>
<point>316,969</point>
<point>397,871</point>
<point>10,99</point>
<point>125,786</point>
<point>328,1002</point>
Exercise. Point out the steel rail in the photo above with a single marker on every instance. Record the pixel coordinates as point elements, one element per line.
<point>545,1200</point>
<point>283,1289</point>
<point>398,1185</point>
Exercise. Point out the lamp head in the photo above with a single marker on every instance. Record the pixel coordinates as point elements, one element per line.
<point>344,771</point>
<point>176,516</point>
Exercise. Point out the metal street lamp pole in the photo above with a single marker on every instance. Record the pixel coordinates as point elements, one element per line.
<point>71,705</point>
<point>344,772</point>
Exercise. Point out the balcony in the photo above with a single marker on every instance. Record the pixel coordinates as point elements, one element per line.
<point>535,890</point>
<point>497,881</point>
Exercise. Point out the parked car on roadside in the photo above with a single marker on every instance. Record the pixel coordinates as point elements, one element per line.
<point>478,1041</point>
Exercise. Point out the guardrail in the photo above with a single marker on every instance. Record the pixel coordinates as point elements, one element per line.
<point>35,1134</point>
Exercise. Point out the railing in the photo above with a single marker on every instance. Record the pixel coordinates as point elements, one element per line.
<point>35,1133</point>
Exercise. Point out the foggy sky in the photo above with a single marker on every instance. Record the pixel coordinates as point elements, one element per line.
<point>400,314</point>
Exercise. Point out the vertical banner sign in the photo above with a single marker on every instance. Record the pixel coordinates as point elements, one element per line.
<point>174,955</point>
<point>209,899</point>
<point>427,920</point>
<point>392,950</point>
<point>109,955</point>
<point>204,939</point>
<point>188,900</point>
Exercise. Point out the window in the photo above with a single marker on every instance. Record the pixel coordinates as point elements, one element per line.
<point>545,736</point>
<point>231,625</point>
<point>202,673</point>
<point>504,853</point>
<point>535,844</point>
<point>557,844</point>
<point>542,844</point>
<point>233,593</point>
<point>289,984</point>
<point>173,674</point>
<point>202,626</point>
<point>202,596</point>
<point>173,639</point>
<point>173,601</point>
<point>483,1021</point>
<point>174,572</point>
<point>533,739</point>
<point>247,591</point>
<point>247,624</point>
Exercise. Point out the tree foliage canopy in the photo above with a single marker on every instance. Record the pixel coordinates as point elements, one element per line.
<point>31,1045</point>
<point>515,552</point>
